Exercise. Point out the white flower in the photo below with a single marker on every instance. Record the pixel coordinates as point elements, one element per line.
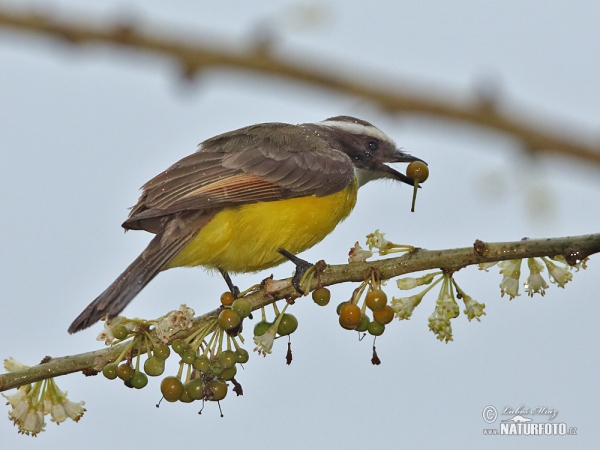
<point>474,309</point>
<point>73,410</point>
<point>558,275</point>
<point>20,409</point>
<point>407,283</point>
<point>12,365</point>
<point>441,327</point>
<point>358,254</point>
<point>107,335</point>
<point>511,270</point>
<point>404,307</point>
<point>33,423</point>
<point>264,343</point>
<point>58,413</point>
<point>535,282</point>
<point>17,397</point>
<point>377,240</point>
<point>174,322</point>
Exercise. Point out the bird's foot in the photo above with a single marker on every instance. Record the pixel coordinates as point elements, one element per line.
<point>303,269</point>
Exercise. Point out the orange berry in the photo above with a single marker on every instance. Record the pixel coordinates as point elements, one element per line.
<point>384,315</point>
<point>376,300</point>
<point>349,316</point>
<point>227,299</point>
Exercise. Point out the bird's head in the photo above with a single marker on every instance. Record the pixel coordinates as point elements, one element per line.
<point>369,148</point>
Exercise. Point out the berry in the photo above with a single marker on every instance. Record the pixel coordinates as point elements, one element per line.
<point>261,328</point>
<point>139,380</point>
<point>384,316</point>
<point>110,371</point>
<point>227,359</point>
<point>154,366</point>
<point>287,325</point>
<point>376,328</point>
<point>417,171</point>
<point>171,388</point>
<point>185,397</point>
<point>227,298</point>
<point>218,388</point>
<point>339,307</point>
<point>229,373</point>
<point>321,296</point>
<point>195,388</point>
<point>202,364</point>
<point>189,356</point>
<point>363,324</point>
<point>216,367</point>
<point>242,307</point>
<point>179,346</point>
<point>161,351</point>
<point>376,300</point>
<point>228,319</point>
<point>241,356</point>
<point>125,372</point>
<point>349,316</point>
<point>120,332</point>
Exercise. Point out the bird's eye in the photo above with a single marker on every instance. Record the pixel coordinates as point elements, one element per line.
<point>373,145</point>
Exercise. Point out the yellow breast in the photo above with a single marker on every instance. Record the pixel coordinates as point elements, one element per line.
<point>246,238</point>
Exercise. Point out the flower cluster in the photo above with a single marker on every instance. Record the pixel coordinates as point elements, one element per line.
<point>446,307</point>
<point>31,403</point>
<point>559,272</point>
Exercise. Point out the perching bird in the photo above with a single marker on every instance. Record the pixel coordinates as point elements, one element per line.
<point>249,199</point>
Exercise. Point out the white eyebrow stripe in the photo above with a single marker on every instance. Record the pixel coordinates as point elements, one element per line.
<point>357,128</point>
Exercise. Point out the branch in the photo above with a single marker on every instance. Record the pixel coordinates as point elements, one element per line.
<point>195,57</point>
<point>573,249</point>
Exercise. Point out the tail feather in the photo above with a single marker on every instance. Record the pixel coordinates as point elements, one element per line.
<point>162,249</point>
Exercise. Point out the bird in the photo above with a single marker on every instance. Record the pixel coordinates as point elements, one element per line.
<point>250,199</point>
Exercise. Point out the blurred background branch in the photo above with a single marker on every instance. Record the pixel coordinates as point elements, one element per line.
<point>193,57</point>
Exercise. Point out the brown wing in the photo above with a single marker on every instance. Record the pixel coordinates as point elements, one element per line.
<point>263,162</point>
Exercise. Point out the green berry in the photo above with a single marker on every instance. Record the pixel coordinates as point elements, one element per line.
<point>261,328</point>
<point>287,325</point>
<point>188,356</point>
<point>363,324</point>
<point>179,346</point>
<point>139,380</point>
<point>376,328</point>
<point>154,366</point>
<point>227,359</point>
<point>216,367</point>
<point>241,356</point>
<point>120,332</point>
<point>110,371</point>
<point>242,307</point>
<point>125,372</point>
<point>171,388</point>
<point>218,388</point>
<point>195,388</point>
<point>161,351</point>
<point>321,296</point>
<point>229,373</point>
<point>228,319</point>
<point>202,363</point>
<point>185,397</point>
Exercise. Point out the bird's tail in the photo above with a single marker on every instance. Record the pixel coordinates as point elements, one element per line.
<point>162,249</point>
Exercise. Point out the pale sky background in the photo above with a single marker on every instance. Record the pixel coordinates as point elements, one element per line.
<point>81,130</point>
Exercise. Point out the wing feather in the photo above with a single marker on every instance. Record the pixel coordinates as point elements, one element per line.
<point>264,162</point>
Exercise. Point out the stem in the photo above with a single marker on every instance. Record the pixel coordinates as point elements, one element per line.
<point>572,248</point>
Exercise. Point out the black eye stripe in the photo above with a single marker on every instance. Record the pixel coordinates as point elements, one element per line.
<point>373,145</point>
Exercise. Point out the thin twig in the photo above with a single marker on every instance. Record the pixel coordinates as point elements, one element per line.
<point>572,248</point>
<point>197,56</point>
